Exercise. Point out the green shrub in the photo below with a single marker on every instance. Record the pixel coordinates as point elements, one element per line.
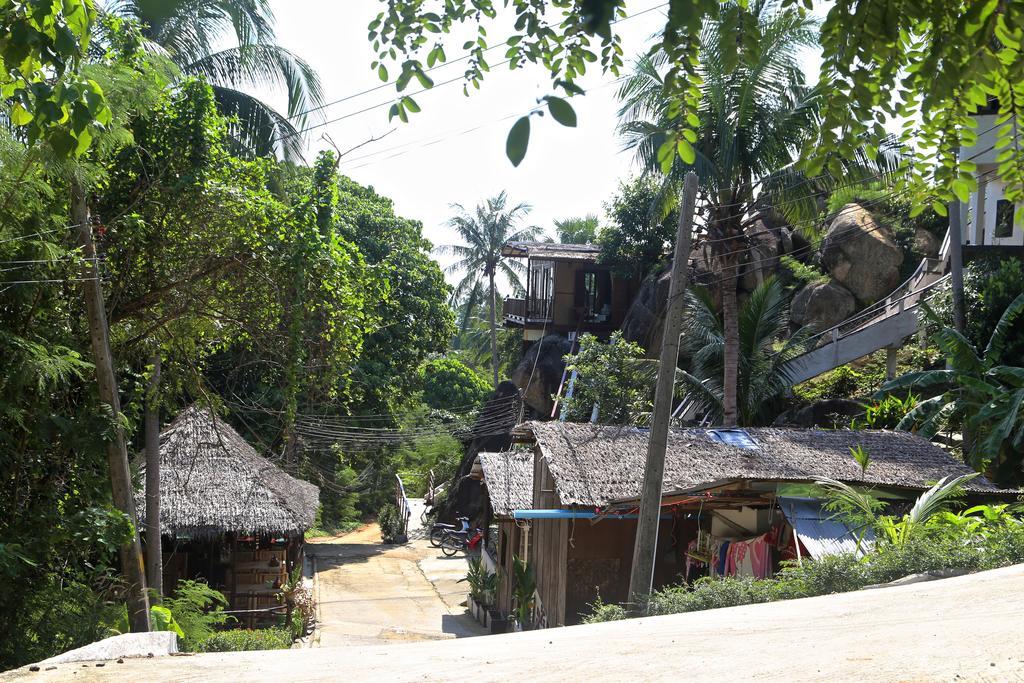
<point>603,611</point>
<point>945,544</point>
<point>800,274</point>
<point>198,611</point>
<point>449,383</point>
<point>389,522</point>
<point>239,640</point>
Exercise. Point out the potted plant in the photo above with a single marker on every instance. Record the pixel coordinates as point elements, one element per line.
<point>478,579</point>
<point>523,594</point>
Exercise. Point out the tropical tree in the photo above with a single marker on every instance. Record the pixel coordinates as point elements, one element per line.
<point>755,113</point>
<point>190,31</point>
<point>980,391</point>
<point>577,230</point>
<point>764,367</point>
<point>485,232</point>
<point>862,509</point>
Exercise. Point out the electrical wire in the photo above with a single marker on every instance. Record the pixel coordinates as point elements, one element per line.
<point>436,86</point>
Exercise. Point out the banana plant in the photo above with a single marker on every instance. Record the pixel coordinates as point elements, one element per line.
<point>979,392</point>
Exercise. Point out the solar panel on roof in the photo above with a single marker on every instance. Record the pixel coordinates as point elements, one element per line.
<point>733,437</point>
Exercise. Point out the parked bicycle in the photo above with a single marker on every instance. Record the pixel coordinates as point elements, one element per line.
<point>438,530</point>
<point>454,541</point>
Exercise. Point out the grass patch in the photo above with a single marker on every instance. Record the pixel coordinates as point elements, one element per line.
<point>244,639</point>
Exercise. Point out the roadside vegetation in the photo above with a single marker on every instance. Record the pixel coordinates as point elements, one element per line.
<point>929,538</point>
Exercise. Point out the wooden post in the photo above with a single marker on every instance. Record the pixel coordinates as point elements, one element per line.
<point>154,556</point>
<point>890,362</point>
<point>117,449</point>
<point>642,574</point>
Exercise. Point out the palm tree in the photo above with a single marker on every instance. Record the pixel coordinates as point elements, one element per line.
<point>764,370</point>
<point>577,230</point>
<point>485,232</point>
<point>978,392</point>
<point>755,113</point>
<point>189,31</point>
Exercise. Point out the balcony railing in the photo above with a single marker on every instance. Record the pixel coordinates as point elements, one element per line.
<point>522,311</point>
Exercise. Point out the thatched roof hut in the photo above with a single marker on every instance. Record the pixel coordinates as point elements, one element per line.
<point>594,466</point>
<point>509,480</point>
<point>212,481</point>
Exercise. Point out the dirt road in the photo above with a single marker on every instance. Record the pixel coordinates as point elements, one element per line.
<point>966,628</point>
<point>369,593</point>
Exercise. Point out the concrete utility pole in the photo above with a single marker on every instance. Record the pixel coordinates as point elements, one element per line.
<point>117,450</point>
<point>154,556</point>
<point>956,267</point>
<point>642,574</point>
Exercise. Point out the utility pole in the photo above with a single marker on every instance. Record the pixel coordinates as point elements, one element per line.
<point>956,277</point>
<point>642,574</point>
<point>956,267</point>
<point>154,556</point>
<point>117,450</point>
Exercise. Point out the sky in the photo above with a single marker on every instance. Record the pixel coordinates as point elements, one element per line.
<point>454,150</point>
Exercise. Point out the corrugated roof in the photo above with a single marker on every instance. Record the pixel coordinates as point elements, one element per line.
<point>552,250</point>
<point>596,465</point>
<point>509,480</point>
<point>822,532</point>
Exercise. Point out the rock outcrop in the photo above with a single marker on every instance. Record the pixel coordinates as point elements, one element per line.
<point>926,244</point>
<point>765,245</point>
<point>820,305</point>
<point>540,371</point>
<point>861,254</point>
<point>646,315</point>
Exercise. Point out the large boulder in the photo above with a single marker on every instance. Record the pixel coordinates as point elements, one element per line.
<point>540,372</point>
<point>764,246</point>
<point>820,305</point>
<point>861,254</point>
<point>926,244</point>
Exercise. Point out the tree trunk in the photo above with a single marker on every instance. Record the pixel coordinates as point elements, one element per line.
<point>154,556</point>
<point>117,449</point>
<point>731,353</point>
<point>494,331</point>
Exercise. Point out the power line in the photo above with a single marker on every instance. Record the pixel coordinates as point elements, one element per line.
<point>422,90</point>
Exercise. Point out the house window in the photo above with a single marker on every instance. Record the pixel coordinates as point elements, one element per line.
<point>1004,219</point>
<point>541,290</point>
<point>593,295</point>
<point>738,438</point>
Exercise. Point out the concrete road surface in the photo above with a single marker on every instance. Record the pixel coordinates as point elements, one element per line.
<point>962,629</point>
<point>373,593</point>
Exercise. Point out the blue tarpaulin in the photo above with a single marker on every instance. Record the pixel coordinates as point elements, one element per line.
<point>820,530</point>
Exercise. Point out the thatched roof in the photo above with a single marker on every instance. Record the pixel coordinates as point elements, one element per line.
<point>213,481</point>
<point>594,466</point>
<point>552,250</point>
<point>509,480</point>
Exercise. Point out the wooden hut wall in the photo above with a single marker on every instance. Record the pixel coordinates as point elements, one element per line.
<point>550,542</point>
<point>509,541</point>
<point>599,560</point>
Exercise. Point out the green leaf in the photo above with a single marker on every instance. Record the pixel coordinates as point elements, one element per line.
<point>20,116</point>
<point>666,155</point>
<point>382,72</point>
<point>686,151</point>
<point>562,111</point>
<point>939,208</point>
<point>518,140</point>
<point>962,189</point>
